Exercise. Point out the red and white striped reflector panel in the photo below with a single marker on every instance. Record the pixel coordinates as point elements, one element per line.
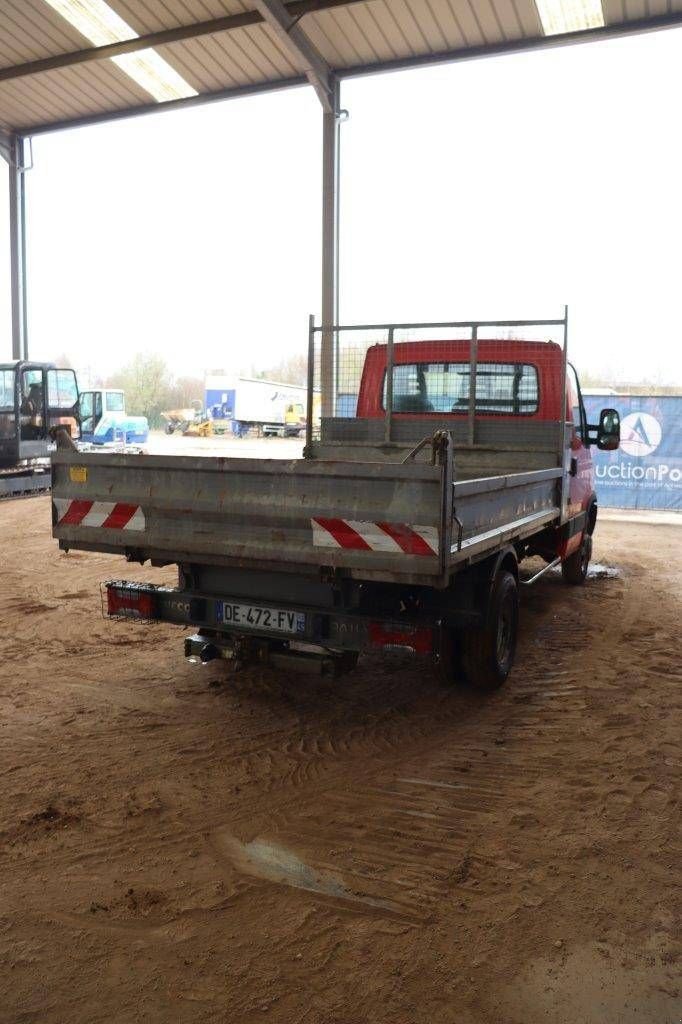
<point>389,537</point>
<point>112,515</point>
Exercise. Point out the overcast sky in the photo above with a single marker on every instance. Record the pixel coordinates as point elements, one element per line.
<point>496,188</point>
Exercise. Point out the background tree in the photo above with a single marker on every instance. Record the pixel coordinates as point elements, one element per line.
<point>292,370</point>
<point>146,381</point>
<point>150,387</point>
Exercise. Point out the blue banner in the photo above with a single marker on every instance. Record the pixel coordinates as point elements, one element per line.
<point>646,471</point>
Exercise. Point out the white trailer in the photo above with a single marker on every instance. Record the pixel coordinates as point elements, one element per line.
<point>271,407</point>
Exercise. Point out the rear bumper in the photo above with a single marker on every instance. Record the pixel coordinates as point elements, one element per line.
<point>325,628</point>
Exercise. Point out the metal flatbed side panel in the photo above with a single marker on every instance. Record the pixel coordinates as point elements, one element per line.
<point>502,507</point>
<point>530,434</point>
<point>253,511</point>
<point>470,462</point>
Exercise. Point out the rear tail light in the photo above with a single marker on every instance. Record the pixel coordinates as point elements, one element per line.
<point>126,603</point>
<point>415,638</point>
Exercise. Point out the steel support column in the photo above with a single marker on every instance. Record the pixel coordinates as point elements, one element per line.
<point>17,247</point>
<point>330,249</point>
<point>325,83</point>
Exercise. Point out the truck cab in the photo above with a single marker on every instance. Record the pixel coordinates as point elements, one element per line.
<point>519,387</point>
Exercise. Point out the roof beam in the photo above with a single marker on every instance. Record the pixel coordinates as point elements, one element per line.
<point>295,41</point>
<point>293,10</point>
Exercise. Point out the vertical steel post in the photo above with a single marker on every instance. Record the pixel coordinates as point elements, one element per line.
<point>562,426</point>
<point>330,251</point>
<point>311,385</point>
<point>473,368</point>
<point>17,248</point>
<point>389,386</point>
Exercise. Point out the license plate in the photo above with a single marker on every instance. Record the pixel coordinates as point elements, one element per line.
<point>253,616</point>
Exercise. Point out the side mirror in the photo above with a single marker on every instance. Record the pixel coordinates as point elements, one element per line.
<point>606,436</point>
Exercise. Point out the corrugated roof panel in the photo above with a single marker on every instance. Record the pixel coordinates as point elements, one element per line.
<point>636,8</point>
<point>528,17</point>
<point>367,32</point>
<point>30,29</point>
<point>614,11</point>
<point>444,16</point>
<point>266,48</point>
<point>508,17</point>
<point>432,25</point>
<point>19,106</point>
<point>324,42</point>
<point>155,15</point>
<point>658,7</point>
<point>203,62</point>
<point>488,19</point>
<point>379,25</point>
<point>468,22</point>
<point>414,33</point>
<point>206,66</point>
<point>69,93</point>
<point>357,43</point>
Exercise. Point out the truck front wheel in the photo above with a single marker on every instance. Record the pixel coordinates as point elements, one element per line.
<point>574,568</point>
<point>488,652</point>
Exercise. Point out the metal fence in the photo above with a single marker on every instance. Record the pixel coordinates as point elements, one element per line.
<point>380,382</point>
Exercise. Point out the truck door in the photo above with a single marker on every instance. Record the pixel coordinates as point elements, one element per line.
<point>62,401</point>
<point>581,482</point>
<point>32,417</point>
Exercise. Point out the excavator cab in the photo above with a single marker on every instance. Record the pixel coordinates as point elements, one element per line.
<point>34,398</point>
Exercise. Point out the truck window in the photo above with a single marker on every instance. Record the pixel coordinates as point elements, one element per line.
<point>501,388</point>
<point>62,391</point>
<point>115,402</point>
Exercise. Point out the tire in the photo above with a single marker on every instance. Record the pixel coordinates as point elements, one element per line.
<point>169,428</point>
<point>574,568</point>
<point>488,653</point>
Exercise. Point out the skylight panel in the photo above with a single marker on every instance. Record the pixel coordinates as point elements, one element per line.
<point>558,16</point>
<point>95,20</point>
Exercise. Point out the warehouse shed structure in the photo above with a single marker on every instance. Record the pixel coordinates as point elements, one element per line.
<point>65,63</point>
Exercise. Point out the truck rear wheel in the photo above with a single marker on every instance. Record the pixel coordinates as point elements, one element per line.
<point>574,568</point>
<point>488,653</point>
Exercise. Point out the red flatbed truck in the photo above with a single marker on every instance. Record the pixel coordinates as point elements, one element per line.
<point>402,527</point>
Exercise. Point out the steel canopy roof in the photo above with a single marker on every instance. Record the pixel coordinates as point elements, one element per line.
<point>52,77</point>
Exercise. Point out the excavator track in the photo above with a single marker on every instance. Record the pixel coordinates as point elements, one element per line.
<point>24,485</point>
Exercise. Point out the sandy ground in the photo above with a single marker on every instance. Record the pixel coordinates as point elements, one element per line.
<point>179,844</point>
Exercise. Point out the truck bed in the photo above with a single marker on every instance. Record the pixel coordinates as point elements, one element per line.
<point>390,521</point>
